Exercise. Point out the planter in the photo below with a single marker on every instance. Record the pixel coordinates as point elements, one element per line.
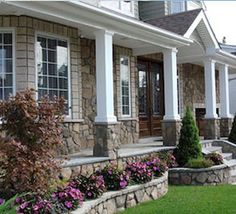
<point>208,176</point>
<point>114,201</point>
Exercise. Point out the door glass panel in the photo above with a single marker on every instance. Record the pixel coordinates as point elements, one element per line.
<point>142,89</point>
<point>156,89</point>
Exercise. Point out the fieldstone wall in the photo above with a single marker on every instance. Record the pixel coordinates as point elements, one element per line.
<point>192,86</point>
<point>115,201</point>
<point>209,176</point>
<point>212,128</point>
<point>225,126</point>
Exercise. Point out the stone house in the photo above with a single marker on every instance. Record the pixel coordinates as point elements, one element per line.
<point>123,79</point>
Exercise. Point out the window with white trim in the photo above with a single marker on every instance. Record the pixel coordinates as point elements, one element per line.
<point>125,86</point>
<point>52,68</point>
<point>6,65</point>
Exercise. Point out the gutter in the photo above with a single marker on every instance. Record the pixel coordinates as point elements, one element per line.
<point>97,18</point>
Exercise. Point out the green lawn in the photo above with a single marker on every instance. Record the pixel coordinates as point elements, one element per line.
<point>191,200</point>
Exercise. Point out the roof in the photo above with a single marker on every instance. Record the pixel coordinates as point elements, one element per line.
<point>177,23</point>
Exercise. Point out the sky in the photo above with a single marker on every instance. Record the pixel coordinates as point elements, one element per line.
<point>222,17</point>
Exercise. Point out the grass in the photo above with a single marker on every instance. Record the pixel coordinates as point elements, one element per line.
<point>191,200</point>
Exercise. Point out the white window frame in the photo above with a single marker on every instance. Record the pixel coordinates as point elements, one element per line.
<point>120,9</point>
<point>13,32</point>
<point>55,36</point>
<point>121,103</point>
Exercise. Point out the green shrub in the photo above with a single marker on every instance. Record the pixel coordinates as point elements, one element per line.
<point>232,135</point>
<point>199,163</point>
<point>189,146</point>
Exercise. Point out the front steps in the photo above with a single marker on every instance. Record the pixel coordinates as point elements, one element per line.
<point>227,150</point>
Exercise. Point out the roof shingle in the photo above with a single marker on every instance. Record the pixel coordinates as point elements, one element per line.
<point>177,23</point>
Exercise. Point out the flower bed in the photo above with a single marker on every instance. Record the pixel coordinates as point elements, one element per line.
<point>71,194</point>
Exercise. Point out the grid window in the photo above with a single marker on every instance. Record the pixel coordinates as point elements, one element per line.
<point>125,85</point>
<point>52,68</point>
<point>6,65</point>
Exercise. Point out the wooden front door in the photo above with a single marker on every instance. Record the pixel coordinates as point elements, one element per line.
<point>151,108</point>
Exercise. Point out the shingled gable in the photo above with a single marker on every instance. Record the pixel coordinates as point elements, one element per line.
<point>186,23</point>
<point>177,23</point>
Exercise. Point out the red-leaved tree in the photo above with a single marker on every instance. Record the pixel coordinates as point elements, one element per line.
<point>32,136</point>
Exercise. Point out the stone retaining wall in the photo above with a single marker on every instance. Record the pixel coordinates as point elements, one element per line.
<point>71,170</point>
<point>209,176</point>
<point>114,201</point>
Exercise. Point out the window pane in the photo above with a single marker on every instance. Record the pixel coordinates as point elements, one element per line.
<point>62,43</point>
<point>52,69</point>
<point>52,44</point>
<point>125,85</point>
<point>7,66</point>
<point>1,94</point>
<point>63,83</point>
<point>53,93</point>
<point>42,93</point>
<point>52,82</point>
<point>64,94</point>
<point>52,56</point>
<point>8,51</point>
<point>7,93</point>
<point>8,80</point>
<point>42,42</point>
<point>1,80</point>
<point>42,68</point>
<point>7,38</point>
<point>42,81</point>
<point>0,38</point>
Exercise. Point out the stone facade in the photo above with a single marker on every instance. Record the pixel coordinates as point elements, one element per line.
<point>212,128</point>
<point>192,87</point>
<point>79,130</point>
<point>171,132</point>
<point>209,176</point>
<point>225,126</point>
<point>115,201</point>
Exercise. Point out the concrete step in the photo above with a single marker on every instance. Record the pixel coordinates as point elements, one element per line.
<point>206,143</point>
<point>214,149</point>
<point>231,164</point>
<point>227,156</point>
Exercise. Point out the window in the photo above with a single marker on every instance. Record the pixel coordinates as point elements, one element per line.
<point>126,7</point>
<point>6,65</point>
<point>125,86</point>
<point>52,68</point>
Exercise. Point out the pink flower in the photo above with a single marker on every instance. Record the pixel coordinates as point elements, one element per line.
<point>68,204</point>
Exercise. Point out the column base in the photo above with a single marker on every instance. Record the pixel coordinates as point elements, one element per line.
<point>171,132</point>
<point>225,126</point>
<point>212,128</point>
<point>107,140</point>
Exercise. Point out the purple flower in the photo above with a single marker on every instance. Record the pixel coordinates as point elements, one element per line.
<point>24,205</point>
<point>2,201</point>
<point>18,200</point>
<point>68,204</point>
<point>123,184</point>
<point>36,207</point>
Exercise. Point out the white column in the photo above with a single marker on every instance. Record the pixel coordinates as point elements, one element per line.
<point>210,88</point>
<point>224,91</point>
<point>170,80</point>
<point>104,77</point>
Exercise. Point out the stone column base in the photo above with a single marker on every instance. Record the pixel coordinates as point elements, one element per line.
<point>225,126</point>
<point>107,140</point>
<point>212,128</point>
<point>170,132</point>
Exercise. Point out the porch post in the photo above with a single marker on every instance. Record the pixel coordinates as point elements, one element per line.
<point>225,116</point>
<point>106,141</point>
<point>171,121</point>
<point>211,118</point>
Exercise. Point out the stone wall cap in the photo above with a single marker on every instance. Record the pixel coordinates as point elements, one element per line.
<point>183,169</point>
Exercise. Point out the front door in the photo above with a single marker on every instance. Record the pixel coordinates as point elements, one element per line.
<point>151,108</point>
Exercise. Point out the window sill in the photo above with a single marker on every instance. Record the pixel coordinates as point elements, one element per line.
<point>69,120</point>
<point>127,118</point>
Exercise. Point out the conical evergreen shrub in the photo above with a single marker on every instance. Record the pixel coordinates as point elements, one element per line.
<point>232,135</point>
<point>189,146</point>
